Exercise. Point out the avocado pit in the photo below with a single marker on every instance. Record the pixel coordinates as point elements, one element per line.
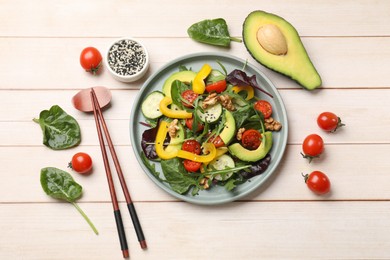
<point>272,39</point>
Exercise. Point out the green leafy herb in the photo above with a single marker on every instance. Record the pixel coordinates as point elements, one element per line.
<point>178,87</point>
<point>150,166</point>
<point>177,177</point>
<point>60,130</point>
<point>59,184</point>
<point>214,32</point>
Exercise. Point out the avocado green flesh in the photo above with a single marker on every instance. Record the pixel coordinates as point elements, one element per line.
<point>295,64</point>
<point>246,155</point>
<point>176,142</point>
<point>229,130</point>
<point>185,76</point>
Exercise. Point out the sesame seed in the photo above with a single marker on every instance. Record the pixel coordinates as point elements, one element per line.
<point>126,57</point>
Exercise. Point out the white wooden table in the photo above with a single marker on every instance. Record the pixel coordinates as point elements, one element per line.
<point>348,41</point>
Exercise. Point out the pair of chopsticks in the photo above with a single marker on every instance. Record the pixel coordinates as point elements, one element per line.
<point>121,232</point>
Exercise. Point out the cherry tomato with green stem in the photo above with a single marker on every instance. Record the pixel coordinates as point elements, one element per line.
<point>312,146</point>
<point>317,182</point>
<point>329,121</point>
<point>91,59</point>
<point>81,163</point>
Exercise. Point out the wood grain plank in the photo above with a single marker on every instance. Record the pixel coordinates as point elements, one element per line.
<point>358,230</point>
<point>53,63</point>
<point>354,106</point>
<point>353,169</point>
<point>143,19</point>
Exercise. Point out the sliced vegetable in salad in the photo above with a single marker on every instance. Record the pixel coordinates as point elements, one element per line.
<point>207,128</point>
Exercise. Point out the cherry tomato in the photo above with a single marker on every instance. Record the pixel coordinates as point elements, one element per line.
<point>192,146</point>
<point>81,163</point>
<point>312,146</point>
<point>189,123</point>
<point>329,121</point>
<point>91,59</point>
<point>251,139</point>
<point>317,182</point>
<point>264,107</point>
<point>190,96</point>
<point>191,166</point>
<point>217,141</point>
<point>218,86</point>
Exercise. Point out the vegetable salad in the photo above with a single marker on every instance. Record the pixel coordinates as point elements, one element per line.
<point>207,128</point>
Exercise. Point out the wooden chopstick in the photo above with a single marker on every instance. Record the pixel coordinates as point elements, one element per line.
<point>130,205</point>
<point>117,214</point>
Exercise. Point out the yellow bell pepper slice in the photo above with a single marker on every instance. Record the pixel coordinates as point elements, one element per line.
<point>166,111</point>
<point>159,145</point>
<point>199,158</point>
<point>248,89</point>
<point>198,85</point>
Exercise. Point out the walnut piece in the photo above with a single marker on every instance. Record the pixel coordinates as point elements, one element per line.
<point>226,102</point>
<point>205,182</point>
<point>272,125</point>
<point>173,128</point>
<point>239,133</point>
<point>210,100</point>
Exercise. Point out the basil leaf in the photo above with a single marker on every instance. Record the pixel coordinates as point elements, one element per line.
<point>176,176</point>
<point>60,130</point>
<point>214,32</point>
<point>59,184</point>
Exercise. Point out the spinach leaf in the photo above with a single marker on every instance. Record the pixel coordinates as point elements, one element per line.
<point>214,32</point>
<point>59,184</point>
<point>60,130</point>
<point>176,176</point>
<point>150,166</point>
<point>177,88</point>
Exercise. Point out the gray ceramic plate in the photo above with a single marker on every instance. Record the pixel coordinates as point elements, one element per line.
<point>215,195</point>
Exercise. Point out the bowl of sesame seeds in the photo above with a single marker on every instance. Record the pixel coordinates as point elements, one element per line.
<point>127,59</point>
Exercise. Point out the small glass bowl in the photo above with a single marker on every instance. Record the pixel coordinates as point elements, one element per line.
<point>127,59</point>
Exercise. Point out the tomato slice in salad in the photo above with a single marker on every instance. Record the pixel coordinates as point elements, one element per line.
<point>251,139</point>
<point>264,107</point>
<point>190,96</point>
<point>217,141</point>
<point>192,146</point>
<point>190,122</point>
<point>218,86</point>
<point>191,166</point>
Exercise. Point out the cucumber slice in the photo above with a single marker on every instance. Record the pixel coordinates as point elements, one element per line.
<point>222,162</point>
<point>151,106</point>
<point>211,114</point>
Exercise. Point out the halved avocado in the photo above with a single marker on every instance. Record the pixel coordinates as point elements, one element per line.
<point>276,44</point>
<point>186,76</point>
<point>246,155</point>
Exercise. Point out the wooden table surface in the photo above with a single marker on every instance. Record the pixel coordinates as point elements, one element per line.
<point>348,41</point>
